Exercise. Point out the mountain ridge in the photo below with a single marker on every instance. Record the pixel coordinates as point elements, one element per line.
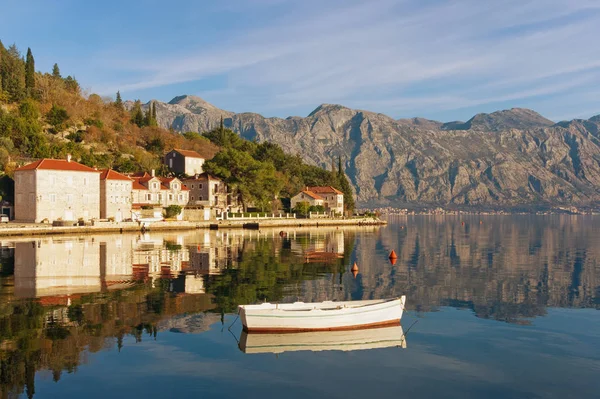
<point>505,158</point>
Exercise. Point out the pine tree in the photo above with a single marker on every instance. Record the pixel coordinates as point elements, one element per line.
<point>154,112</point>
<point>12,71</point>
<point>29,71</point>
<point>119,101</point>
<point>56,71</point>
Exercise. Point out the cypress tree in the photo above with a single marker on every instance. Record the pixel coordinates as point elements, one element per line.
<point>119,101</point>
<point>56,71</point>
<point>29,71</point>
<point>345,187</point>
<point>137,116</point>
<point>154,112</point>
<point>148,116</point>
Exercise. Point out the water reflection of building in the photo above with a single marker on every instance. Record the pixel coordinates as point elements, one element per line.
<point>318,245</point>
<point>56,266</point>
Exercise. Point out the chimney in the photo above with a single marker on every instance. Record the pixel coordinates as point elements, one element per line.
<point>68,157</point>
<point>153,173</point>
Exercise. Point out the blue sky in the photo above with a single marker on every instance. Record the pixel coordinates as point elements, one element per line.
<point>443,60</point>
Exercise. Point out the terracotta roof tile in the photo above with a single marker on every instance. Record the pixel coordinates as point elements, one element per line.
<point>188,153</point>
<point>324,190</point>
<point>313,195</point>
<point>109,174</point>
<point>57,164</point>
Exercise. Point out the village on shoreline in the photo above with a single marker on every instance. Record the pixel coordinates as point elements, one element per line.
<point>62,196</point>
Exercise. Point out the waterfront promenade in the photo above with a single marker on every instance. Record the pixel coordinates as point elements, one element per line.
<point>31,229</point>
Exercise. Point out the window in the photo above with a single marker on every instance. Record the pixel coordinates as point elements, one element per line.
<point>170,197</point>
<point>52,198</point>
<point>180,197</point>
<point>175,186</point>
<point>192,186</point>
<point>155,185</point>
<point>31,198</point>
<point>69,198</point>
<point>85,181</point>
<point>192,197</point>
<point>200,198</point>
<point>200,185</point>
<point>149,197</point>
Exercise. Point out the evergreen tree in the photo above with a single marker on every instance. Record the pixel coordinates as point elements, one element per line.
<point>154,112</point>
<point>345,187</point>
<point>56,71</point>
<point>137,116</point>
<point>119,101</point>
<point>12,71</point>
<point>29,71</point>
<point>148,116</point>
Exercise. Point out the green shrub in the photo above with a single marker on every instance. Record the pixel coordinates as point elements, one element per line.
<point>172,210</point>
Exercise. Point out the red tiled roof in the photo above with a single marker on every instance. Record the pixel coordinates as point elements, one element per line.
<point>324,190</point>
<point>137,186</point>
<point>188,153</point>
<point>57,164</point>
<point>109,174</point>
<point>313,195</point>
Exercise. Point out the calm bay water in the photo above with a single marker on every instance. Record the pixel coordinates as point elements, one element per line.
<point>504,307</point>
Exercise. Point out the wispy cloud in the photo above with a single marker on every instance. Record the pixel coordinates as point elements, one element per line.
<point>396,57</point>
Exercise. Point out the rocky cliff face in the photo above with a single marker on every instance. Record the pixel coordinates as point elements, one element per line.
<point>506,158</point>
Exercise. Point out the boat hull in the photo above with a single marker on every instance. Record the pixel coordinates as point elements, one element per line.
<point>377,338</point>
<point>323,316</point>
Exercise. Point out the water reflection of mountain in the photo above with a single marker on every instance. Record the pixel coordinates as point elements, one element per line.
<point>66,296</point>
<point>503,268</point>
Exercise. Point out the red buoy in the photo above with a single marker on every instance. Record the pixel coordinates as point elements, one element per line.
<point>393,261</point>
<point>393,255</point>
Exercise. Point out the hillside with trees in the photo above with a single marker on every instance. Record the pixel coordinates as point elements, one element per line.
<point>48,115</point>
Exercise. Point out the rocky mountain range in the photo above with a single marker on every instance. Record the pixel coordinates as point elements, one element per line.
<point>507,158</point>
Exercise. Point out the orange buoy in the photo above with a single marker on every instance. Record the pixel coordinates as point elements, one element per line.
<point>393,255</point>
<point>354,270</point>
<point>393,261</point>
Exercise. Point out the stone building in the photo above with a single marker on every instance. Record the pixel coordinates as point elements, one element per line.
<point>52,189</point>
<point>306,196</point>
<point>148,189</point>
<point>208,190</point>
<point>184,162</point>
<point>115,195</point>
<point>329,197</point>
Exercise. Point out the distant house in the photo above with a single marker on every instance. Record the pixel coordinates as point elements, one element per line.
<point>115,195</point>
<point>333,199</point>
<point>308,196</point>
<point>329,197</point>
<point>208,190</point>
<point>148,189</point>
<point>185,162</point>
<point>54,189</point>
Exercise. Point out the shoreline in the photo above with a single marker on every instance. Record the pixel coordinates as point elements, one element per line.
<point>127,227</point>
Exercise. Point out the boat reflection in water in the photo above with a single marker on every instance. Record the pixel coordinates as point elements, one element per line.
<point>371,338</point>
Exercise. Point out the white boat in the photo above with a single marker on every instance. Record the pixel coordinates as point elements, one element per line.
<point>372,338</point>
<point>321,316</point>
